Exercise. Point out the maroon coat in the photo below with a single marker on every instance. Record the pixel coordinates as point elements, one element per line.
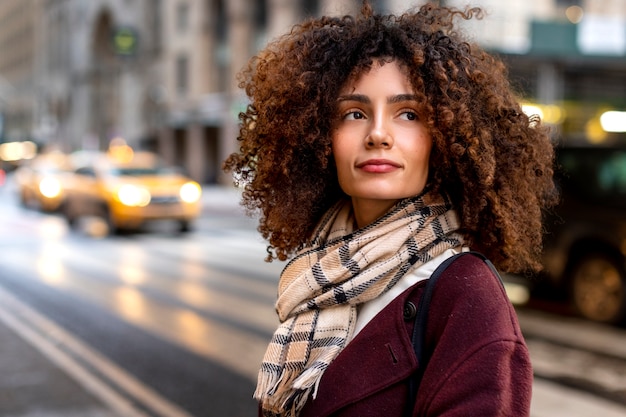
<point>479,364</point>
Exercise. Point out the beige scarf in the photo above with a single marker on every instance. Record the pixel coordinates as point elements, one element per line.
<point>321,287</point>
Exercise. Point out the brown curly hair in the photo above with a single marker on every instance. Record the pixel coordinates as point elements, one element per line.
<point>493,161</point>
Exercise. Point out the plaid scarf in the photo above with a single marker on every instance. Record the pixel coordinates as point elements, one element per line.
<point>320,288</point>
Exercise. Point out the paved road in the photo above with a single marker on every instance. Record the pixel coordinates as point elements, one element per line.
<point>50,371</point>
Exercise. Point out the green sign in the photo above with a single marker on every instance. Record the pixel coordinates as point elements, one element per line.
<point>125,41</point>
<point>553,38</point>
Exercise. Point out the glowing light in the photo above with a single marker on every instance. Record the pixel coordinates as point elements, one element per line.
<point>594,132</point>
<point>548,113</point>
<point>50,187</point>
<point>553,114</point>
<point>613,121</point>
<point>190,192</point>
<point>574,14</point>
<point>133,196</point>
<point>532,110</point>
<point>120,151</point>
<point>15,151</point>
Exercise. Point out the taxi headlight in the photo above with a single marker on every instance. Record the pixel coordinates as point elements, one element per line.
<point>133,196</point>
<point>49,187</point>
<point>190,192</point>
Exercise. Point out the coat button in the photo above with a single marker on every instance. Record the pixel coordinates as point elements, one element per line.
<point>410,311</point>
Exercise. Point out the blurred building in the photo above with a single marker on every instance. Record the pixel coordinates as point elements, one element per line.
<point>18,94</point>
<point>161,73</point>
<point>205,44</point>
<point>97,72</point>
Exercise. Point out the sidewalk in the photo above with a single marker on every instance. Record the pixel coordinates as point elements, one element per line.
<point>36,381</point>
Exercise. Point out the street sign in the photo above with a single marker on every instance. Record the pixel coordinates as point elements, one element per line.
<point>125,41</point>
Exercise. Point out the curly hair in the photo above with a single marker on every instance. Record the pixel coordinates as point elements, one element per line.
<point>494,161</point>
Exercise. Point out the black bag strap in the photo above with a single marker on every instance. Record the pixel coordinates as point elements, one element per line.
<point>419,331</point>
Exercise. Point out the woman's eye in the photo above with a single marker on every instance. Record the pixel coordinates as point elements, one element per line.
<point>409,115</point>
<point>354,115</point>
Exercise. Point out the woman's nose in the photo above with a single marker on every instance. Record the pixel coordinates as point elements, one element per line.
<point>379,136</point>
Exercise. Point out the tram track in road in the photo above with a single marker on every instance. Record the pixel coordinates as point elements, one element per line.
<point>589,357</point>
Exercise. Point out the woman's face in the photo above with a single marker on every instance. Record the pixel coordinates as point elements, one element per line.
<point>380,146</point>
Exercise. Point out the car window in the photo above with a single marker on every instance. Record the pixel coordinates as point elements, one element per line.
<point>133,172</point>
<point>612,173</point>
<point>86,171</point>
<point>141,171</point>
<point>593,173</point>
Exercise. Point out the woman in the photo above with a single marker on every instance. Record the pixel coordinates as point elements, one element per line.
<point>376,147</point>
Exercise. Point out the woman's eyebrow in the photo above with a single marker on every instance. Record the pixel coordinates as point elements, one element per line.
<point>355,97</point>
<point>402,97</point>
<point>361,98</point>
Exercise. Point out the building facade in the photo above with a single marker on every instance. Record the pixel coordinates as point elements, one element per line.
<point>208,42</point>
<point>97,71</point>
<point>18,94</point>
<point>75,74</point>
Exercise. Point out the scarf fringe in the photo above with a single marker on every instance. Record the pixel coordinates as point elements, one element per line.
<point>277,400</point>
<point>309,380</point>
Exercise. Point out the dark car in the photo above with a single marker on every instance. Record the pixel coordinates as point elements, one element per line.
<point>585,243</point>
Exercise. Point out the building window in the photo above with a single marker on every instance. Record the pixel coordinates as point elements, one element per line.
<point>182,75</point>
<point>260,15</point>
<point>156,29</point>
<point>219,19</point>
<point>182,17</point>
<point>567,3</point>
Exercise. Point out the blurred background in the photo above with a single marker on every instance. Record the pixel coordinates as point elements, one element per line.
<point>133,284</point>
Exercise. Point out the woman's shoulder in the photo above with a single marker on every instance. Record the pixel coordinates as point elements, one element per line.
<point>461,277</point>
<point>471,291</point>
<point>470,270</point>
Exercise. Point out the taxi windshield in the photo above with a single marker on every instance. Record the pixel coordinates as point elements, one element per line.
<point>141,171</point>
<point>136,171</point>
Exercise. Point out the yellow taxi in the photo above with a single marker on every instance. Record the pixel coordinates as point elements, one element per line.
<point>128,189</point>
<point>39,181</point>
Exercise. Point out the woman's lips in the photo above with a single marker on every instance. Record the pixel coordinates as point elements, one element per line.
<point>378,165</point>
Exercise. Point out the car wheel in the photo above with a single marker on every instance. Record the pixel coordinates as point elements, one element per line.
<point>184,226</point>
<point>107,217</point>
<point>23,199</point>
<point>598,288</point>
<point>66,211</point>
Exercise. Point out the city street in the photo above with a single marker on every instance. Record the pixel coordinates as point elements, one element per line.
<point>160,323</point>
